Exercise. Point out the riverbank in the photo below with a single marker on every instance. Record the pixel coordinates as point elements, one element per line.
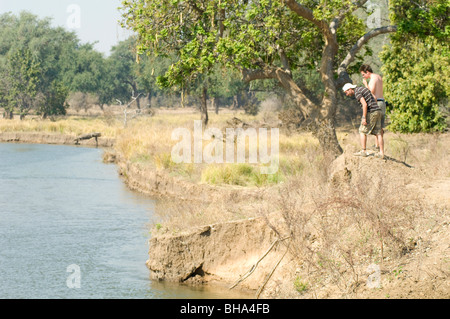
<point>305,239</point>
<point>313,234</point>
<point>53,138</point>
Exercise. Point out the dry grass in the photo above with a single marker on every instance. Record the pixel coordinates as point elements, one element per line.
<point>70,126</point>
<point>336,230</point>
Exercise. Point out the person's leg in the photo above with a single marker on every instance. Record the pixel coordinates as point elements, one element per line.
<point>363,138</point>
<point>363,131</point>
<point>381,143</point>
<point>382,106</point>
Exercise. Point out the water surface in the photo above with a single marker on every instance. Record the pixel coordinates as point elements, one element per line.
<point>63,210</point>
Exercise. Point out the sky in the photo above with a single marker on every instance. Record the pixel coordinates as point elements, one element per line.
<point>91,20</point>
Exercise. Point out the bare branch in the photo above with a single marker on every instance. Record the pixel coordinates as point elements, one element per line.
<point>360,43</point>
<point>350,8</point>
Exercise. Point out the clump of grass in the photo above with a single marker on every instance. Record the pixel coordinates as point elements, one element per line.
<point>299,285</point>
<point>242,174</point>
<point>399,148</point>
<point>164,161</point>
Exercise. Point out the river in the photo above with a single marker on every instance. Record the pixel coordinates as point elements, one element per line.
<point>69,228</point>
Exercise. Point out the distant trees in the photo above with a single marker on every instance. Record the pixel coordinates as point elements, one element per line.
<point>42,66</point>
<point>30,65</point>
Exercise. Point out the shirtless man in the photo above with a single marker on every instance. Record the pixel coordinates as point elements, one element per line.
<point>375,86</point>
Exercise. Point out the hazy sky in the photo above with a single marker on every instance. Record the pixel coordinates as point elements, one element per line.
<point>92,20</point>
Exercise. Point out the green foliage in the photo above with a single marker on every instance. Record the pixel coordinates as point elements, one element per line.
<point>416,74</point>
<point>55,100</point>
<point>422,17</point>
<point>299,285</point>
<point>32,61</point>
<point>85,72</point>
<point>254,32</point>
<point>22,72</point>
<point>238,174</point>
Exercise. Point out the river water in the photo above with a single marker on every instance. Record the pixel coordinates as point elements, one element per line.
<point>69,228</point>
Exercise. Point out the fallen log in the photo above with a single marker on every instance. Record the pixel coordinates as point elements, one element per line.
<point>87,137</point>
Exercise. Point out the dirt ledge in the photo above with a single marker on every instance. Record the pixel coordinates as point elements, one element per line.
<point>215,253</point>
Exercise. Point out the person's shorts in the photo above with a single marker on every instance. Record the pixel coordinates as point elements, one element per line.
<point>373,124</point>
<point>382,105</point>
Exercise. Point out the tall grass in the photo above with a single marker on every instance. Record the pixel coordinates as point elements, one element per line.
<point>242,174</point>
<point>70,126</point>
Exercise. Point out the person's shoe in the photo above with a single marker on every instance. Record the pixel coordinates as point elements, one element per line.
<point>375,148</point>
<point>362,153</point>
<point>379,155</point>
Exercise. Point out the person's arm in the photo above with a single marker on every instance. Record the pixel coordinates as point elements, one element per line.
<point>364,107</point>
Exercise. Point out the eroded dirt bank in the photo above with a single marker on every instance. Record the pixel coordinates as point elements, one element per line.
<point>224,252</point>
<point>220,252</point>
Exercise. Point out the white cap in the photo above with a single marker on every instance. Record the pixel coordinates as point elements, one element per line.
<point>348,86</point>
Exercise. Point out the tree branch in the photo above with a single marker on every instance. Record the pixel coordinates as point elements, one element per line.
<point>284,59</point>
<point>350,8</point>
<point>342,70</point>
<point>304,12</point>
<point>258,74</point>
<point>193,5</point>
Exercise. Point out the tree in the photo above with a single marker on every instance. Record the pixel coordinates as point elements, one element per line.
<point>416,67</point>
<point>85,71</point>
<point>54,102</point>
<point>123,67</point>
<point>193,63</point>
<point>422,18</point>
<point>22,73</point>
<point>32,61</point>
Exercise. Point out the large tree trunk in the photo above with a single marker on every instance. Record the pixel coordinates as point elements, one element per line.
<point>204,106</point>
<point>325,132</point>
<point>321,122</point>
<point>8,114</point>
<point>320,119</point>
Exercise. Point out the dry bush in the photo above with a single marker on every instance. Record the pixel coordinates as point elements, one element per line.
<point>338,232</point>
